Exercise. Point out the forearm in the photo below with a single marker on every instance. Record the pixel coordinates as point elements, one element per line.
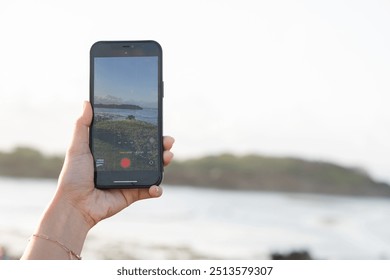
<point>60,234</point>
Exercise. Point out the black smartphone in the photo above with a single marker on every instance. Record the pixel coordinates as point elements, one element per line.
<point>126,92</point>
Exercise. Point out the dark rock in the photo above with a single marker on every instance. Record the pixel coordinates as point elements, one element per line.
<point>294,255</point>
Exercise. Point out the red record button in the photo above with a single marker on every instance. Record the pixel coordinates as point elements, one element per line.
<point>125,162</point>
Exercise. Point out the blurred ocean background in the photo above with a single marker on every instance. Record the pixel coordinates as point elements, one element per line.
<point>200,223</point>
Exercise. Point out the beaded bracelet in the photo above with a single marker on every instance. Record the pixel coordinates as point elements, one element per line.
<point>70,252</point>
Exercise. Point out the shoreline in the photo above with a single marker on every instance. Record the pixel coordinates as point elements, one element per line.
<point>193,223</point>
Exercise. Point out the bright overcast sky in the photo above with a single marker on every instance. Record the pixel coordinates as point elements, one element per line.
<point>281,77</point>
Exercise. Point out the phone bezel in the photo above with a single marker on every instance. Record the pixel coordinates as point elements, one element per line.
<point>128,179</point>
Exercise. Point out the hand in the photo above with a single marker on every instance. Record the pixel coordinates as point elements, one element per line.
<point>76,184</point>
<point>77,205</point>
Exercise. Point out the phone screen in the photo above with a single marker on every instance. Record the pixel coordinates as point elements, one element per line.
<point>126,140</point>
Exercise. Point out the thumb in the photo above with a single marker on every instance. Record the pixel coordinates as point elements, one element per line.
<point>80,139</point>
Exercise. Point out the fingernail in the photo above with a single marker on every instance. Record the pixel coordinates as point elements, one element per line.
<point>158,190</point>
<point>84,105</point>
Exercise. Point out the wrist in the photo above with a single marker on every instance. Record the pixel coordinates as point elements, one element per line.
<point>60,234</point>
<point>63,222</point>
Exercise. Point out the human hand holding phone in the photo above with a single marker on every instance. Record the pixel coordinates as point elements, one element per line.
<point>76,182</point>
<point>77,205</point>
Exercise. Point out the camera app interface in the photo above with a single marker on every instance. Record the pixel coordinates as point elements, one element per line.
<point>125,132</point>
